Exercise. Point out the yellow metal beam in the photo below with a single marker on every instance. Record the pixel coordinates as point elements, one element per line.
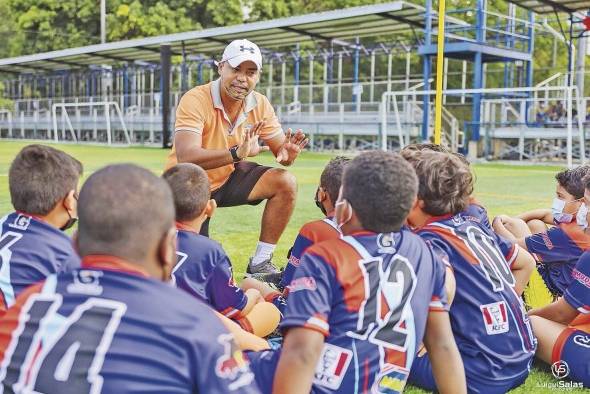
<point>439,72</point>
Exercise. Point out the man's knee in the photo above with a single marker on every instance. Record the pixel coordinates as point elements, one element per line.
<point>284,181</point>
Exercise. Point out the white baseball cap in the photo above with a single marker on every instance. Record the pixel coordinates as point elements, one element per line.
<point>239,51</point>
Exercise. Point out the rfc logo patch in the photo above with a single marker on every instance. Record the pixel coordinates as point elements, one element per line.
<point>495,317</point>
<point>391,380</point>
<point>332,366</point>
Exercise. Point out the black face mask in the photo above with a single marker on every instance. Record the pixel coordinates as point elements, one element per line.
<point>69,224</point>
<point>318,203</point>
<point>71,221</point>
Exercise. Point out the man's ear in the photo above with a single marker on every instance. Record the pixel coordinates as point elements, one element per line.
<point>70,203</point>
<point>167,253</point>
<point>220,67</point>
<point>210,208</point>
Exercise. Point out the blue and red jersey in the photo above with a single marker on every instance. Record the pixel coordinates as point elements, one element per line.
<point>557,250</point>
<point>107,327</point>
<point>369,295</point>
<point>310,234</point>
<point>477,213</point>
<point>30,251</point>
<point>578,296</point>
<point>205,271</point>
<point>573,344</point>
<point>490,325</point>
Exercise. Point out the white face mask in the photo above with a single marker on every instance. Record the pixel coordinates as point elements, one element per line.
<point>557,211</point>
<point>581,216</point>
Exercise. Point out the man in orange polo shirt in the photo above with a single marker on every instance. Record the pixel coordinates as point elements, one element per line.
<point>218,125</point>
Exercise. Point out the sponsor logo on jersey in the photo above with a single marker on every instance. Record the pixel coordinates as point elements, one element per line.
<point>581,277</point>
<point>386,243</point>
<point>85,282</point>
<point>332,366</point>
<point>21,222</point>
<point>547,241</point>
<point>391,380</point>
<point>233,364</point>
<point>303,283</point>
<point>294,260</point>
<point>495,317</point>
<point>582,340</point>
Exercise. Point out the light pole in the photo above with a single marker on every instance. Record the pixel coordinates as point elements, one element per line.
<point>103,22</point>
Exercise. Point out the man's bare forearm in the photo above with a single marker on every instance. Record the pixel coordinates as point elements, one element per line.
<point>208,159</point>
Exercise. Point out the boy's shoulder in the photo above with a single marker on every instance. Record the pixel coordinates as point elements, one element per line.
<point>320,230</point>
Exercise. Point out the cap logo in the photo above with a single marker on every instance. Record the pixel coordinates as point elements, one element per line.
<point>244,49</point>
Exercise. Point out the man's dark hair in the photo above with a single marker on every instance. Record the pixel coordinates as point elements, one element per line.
<point>445,181</point>
<point>572,180</point>
<point>123,210</point>
<point>331,177</point>
<point>190,188</point>
<point>381,188</point>
<point>40,176</point>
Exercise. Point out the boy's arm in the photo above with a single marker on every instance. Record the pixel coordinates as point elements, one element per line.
<point>447,366</point>
<point>560,311</point>
<point>522,268</point>
<point>511,229</point>
<point>544,215</point>
<point>299,357</point>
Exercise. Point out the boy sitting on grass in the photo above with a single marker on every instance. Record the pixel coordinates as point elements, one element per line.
<point>203,268</point>
<point>558,248</point>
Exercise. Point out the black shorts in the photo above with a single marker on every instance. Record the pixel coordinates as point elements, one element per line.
<point>236,190</point>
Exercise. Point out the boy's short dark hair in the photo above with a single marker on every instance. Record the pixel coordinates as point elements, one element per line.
<point>124,211</point>
<point>381,188</point>
<point>190,189</point>
<point>426,146</point>
<point>331,177</point>
<point>573,180</point>
<point>40,176</point>
<point>445,181</point>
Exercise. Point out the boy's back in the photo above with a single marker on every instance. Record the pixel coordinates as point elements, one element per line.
<point>205,271</point>
<point>30,250</point>
<point>369,294</point>
<point>489,322</point>
<point>311,233</point>
<point>108,328</point>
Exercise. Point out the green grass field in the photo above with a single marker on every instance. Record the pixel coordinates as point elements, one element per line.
<point>501,188</point>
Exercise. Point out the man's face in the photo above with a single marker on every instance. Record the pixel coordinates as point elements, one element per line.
<point>238,82</point>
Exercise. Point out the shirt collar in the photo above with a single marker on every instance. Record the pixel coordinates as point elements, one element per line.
<point>112,263</point>
<point>185,227</point>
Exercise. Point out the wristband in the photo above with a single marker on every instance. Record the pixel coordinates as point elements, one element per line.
<point>234,153</point>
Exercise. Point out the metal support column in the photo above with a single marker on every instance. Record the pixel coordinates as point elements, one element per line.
<point>165,57</point>
<point>426,71</point>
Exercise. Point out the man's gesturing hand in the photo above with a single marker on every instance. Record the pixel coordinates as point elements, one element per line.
<point>293,144</point>
<point>250,146</point>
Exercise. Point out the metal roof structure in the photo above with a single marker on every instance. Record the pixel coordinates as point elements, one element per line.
<point>330,26</point>
<point>551,6</point>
